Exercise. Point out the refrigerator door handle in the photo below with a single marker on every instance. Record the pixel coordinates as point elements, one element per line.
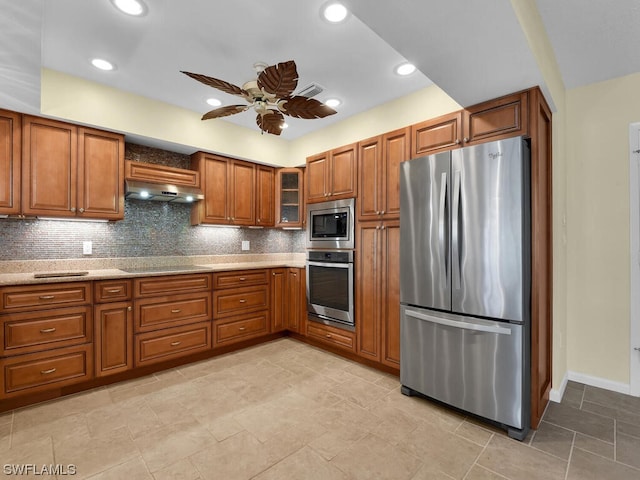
<point>442,227</point>
<point>459,324</point>
<point>456,222</point>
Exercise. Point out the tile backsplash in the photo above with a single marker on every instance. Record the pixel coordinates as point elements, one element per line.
<point>148,229</point>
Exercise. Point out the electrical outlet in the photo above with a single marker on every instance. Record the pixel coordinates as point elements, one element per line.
<point>87,248</point>
<point>245,245</point>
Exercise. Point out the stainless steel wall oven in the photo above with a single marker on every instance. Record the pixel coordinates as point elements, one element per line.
<point>330,287</point>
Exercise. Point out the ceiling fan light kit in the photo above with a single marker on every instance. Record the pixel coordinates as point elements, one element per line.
<point>270,95</point>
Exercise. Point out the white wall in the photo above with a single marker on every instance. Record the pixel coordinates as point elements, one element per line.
<point>598,226</point>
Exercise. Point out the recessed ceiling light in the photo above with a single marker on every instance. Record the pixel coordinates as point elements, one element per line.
<point>335,12</point>
<point>332,102</point>
<point>102,64</point>
<point>405,69</point>
<point>130,7</point>
<point>214,102</point>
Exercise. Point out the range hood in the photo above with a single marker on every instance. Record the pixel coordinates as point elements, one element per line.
<point>146,181</point>
<point>141,190</point>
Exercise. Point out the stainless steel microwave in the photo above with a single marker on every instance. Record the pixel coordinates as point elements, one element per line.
<point>331,225</point>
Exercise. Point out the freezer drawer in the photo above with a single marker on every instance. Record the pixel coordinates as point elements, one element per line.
<point>475,365</point>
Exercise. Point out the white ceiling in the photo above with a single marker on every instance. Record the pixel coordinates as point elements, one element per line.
<point>474,50</point>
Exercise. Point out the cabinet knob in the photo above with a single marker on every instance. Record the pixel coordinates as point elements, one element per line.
<point>465,139</point>
<point>382,227</point>
<point>73,209</point>
<point>259,220</point>
<point>129,309</point>
<point>81,210</point>
<point>382,212</point>
<point>457,142</point>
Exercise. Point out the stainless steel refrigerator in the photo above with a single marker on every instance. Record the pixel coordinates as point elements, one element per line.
<point>465,278</point>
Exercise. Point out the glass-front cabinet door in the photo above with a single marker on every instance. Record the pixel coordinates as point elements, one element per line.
<point>289,198</point>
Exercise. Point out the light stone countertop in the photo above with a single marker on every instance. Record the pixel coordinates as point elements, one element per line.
<point>22,272</point>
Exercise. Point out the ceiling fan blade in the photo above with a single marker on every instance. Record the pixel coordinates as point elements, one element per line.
<point>225,111</point>
<point>270,122</point>
<point>219,84</point>
<point>303,107</point>
<point>279,80</point>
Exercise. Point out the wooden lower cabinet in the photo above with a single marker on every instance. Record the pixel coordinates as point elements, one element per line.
<point>36,372</point>
<point>378,292</point>
<point>279,299</point>
<point>296,299</point>
<point>169,343</point>
<point>235,329</point>
<point>113,338</point>
<point>336,337</point>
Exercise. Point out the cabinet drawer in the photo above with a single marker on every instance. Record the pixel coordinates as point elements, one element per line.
<point>112,291</point>
<point>30,332</point>
<point>144,287</point>
<point>171,311</point>
<point>240,278</point>
<point>235,329</point>
<point>171,343</point>
<point>36,372</point>
<point>331,335</point>
<point>38,297</point>
<point>240,300</point>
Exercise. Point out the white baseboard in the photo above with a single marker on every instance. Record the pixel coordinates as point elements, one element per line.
<point>556,394</point>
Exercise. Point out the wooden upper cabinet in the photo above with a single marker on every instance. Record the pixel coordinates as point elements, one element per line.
<point>436,135</point>
<point>10,162</point>
<point>317,177</point>
<point>379,161</point>
<point>243,193</point>
<point>332,175</point>
<point>265,196</point>
<point>50,165</point>
<point>100,174</point>
<point>70,171</point>
<point>497,119</point>
<point>229,191</point>
<point>289,198</point>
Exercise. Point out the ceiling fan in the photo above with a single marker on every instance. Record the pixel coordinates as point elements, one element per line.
<point>270,95</point>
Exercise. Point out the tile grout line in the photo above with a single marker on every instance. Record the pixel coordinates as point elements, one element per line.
<point>573,442</point>
<point>475,462</point>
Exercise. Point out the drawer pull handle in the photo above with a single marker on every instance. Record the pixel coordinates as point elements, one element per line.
<point>243,301</point>
<point>114,290</point>
<point>175,344</point>
<point>242,279</point>
<point>47,297</point>
<point>328,335</point>
<point>47,372</point>
<point>48,330</point>
<point>242,329</point>
<point>176,310</point>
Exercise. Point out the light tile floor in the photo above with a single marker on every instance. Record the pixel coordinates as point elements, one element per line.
<point>285,410</point>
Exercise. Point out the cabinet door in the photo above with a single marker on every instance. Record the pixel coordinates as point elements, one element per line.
<point>265,196</point>
<point>278,299</point>
<point>214,178</point>
<point>368,290</point>
<point>294,308</point>
<point>370,176</point>
<point>390,294</point>
<point>114,338</point>
<point>10,161</point>
<point>100,174</point>
<point>497,119</point>
<point>50,162</point>
<point>317,178</point>
<point>289,198</point>
<point>242,192</point>
<point>343,172</point>
<point>436,135</point>
<point>395,149</point>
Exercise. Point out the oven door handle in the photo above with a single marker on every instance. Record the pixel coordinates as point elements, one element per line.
<point>329,264</point>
